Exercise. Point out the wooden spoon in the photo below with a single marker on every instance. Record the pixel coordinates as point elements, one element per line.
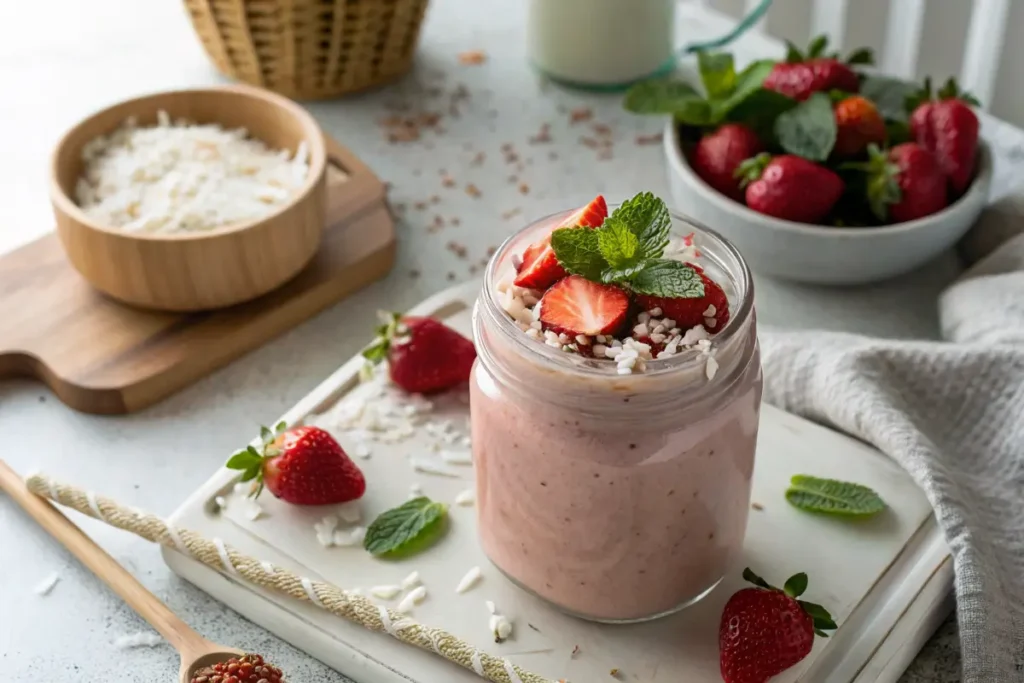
<point>196,652</point>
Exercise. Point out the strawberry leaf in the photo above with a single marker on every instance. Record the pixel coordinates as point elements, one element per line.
<point>863,56</point>
<point>795,585</point>
<point>829,496</point>
<point>579,252</point>
<point>406,529</point>
<point>717,73</point>
<point>750,577</point>
<point>808,130</point>
<point>820,633</point>
<point>266,435</point>
<point>817,47</point>
<point>668,278</point>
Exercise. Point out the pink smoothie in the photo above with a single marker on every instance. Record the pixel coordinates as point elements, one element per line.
<point>615,498</point>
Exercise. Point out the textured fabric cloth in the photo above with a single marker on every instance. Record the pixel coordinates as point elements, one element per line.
<point>951,413</point>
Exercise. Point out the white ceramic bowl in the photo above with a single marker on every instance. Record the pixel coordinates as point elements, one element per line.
<point>820,254</point>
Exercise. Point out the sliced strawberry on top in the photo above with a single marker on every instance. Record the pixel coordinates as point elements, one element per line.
<point>541,268</point>
<point>575,305</point>
<point>692,312</point>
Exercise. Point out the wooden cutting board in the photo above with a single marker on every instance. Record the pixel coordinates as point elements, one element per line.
<point>101,356</point>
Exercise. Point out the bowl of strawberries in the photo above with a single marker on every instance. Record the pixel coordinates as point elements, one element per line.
<point>818,172</point>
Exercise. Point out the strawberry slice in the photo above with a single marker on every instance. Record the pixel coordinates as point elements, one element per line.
<point>575,305</point>
<point>691,312</point>
<point>540,267</point>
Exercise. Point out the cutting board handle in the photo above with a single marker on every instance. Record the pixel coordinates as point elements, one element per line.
<point>359,188</point>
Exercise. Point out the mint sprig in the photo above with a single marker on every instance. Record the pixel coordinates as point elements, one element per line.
<point>627,250</point>
<point>409,528</point>
<point>833,497</point>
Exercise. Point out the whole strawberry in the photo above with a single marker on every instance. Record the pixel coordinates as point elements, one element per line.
<point>948,128</point>
<point>710,310</point>
<point>801,74</point>
<point>301,465</point>
<point>790,187</point>
<point>424,355</point>
<point>244,669</point>
<point>858,124</point>
<point>904,183</point>
<point>764,630</point>
<point>718,154</point>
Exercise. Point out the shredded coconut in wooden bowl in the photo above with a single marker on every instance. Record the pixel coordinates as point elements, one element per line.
<point>179,176</point>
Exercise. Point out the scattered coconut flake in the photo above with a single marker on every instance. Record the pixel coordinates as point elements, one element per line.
<point>491,609</point>
<point>711,369</point>
<point>694,335</point>
<point>253,511</point>
<point>220,502</point>
<point>471,578</point>
<point>135,640</point>
<point>385,592</point>
<point>710,311</point>
<point>46,586</point>
<point>411,581</point>
<point>466,498</point>
<point>242,488</point>
<point>430,467</point>
<point>500,627</point>
<point>349,538</point>
<point>361,450</point>
<point>457,457</point>
<point>416,489</point>
<point>411,599</point>
<point>350,512</point>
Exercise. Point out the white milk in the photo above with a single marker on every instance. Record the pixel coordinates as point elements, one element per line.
<point>600,42</point>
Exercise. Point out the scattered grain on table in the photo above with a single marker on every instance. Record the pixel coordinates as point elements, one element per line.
<point>524,188</point>
<point>472,57</point>
<point>542,136</point>
<point>580,114</point>
<point>511,213</point>
<point>472,190</point>
<point>652,139</point>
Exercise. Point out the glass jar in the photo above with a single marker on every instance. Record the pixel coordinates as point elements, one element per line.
<point>615,497</point>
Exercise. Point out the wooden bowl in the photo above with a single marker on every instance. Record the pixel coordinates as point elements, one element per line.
<point>203,270</point>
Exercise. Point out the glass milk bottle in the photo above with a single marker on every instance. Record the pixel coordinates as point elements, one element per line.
<point>601,43</point>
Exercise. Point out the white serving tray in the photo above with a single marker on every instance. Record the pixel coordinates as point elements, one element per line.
<point>887,581</point>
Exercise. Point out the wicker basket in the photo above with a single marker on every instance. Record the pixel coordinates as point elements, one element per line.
<point>309,49</point>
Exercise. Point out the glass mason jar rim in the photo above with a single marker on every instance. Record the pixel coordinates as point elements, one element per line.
<point>575,364</point>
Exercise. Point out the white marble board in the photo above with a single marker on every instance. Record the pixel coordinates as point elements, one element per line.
<point>886,581</point>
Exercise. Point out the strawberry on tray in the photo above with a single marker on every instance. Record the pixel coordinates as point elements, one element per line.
<point>824,127</point>
<point>424,355</point>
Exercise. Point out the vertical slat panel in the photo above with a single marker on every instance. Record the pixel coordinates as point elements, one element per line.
<point>985,38</point>
<point>903,37</point>
<point>749,6</point>
<point>829,17</point>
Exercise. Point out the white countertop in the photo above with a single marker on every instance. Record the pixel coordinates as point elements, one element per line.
<point>63,59</point>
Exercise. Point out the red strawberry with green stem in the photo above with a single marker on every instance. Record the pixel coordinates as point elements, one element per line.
<point>948,128</point>
<point>424,355</point>
<point>858,124</point>
<point>576,305</point>
<point>765,631</point>
<point>540,268</point>
<point>718,154</point>
<point>903,183</point>
<point>790,187</point>
<point>801,74</point>
<point>301,465</point>
<point>690,312</point>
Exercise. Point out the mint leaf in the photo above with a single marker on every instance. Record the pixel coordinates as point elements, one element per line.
<point>808,129</point>
<point>579,251</point>
<point>889,95</point>
<point>717,73</point>
<point>648,218</point>
<point>748,82</point>
<point>406,529</point>
<point>668,278</point>
<point>833,497</point>
<point>660,97</point>
<point>618,244</point>
<point>759,110</point>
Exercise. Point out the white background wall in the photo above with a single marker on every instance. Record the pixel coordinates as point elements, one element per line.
<point>944,35</point>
